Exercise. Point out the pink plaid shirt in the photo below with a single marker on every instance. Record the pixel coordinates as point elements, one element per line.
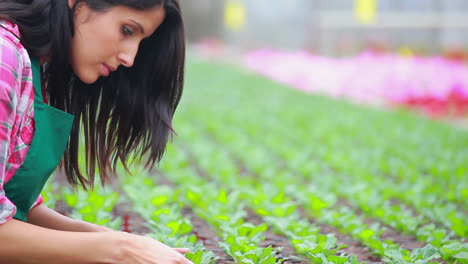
<point>16,111</point>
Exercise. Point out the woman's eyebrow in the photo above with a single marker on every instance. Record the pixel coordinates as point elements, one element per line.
<point>139,25</point>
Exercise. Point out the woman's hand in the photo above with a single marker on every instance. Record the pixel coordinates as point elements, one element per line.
<point>127,248</point>
<point>145,250</point>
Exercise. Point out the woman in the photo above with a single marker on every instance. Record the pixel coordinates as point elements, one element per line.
<point>112,69</point>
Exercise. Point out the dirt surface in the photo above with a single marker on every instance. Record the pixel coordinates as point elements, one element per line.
<point>406,241</point>
<point>287,254</point>
<point>354,247</point>
<point>131,222</point>
<point>134,223</point>
<point>204,233</point>
<point>208,237</point>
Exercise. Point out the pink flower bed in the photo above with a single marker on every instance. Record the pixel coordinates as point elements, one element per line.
<point>433,84</point>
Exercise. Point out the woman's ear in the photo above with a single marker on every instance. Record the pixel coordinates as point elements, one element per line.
<point>77,7</point>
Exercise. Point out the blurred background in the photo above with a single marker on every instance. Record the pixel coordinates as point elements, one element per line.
<point>416,50</point>
<point>331,27</point>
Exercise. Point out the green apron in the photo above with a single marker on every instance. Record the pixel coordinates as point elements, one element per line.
<point>50,139</point>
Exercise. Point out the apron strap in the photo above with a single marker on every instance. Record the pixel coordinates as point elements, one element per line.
<point>37,80</point>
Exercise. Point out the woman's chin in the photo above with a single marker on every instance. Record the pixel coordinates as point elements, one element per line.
<point>88,79</point>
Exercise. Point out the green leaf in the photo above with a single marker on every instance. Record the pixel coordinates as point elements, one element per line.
<point>462,257</point>
<point>367,234</point>
<point>222,197</point>
<point>159,200</point>
<point>337,259</point>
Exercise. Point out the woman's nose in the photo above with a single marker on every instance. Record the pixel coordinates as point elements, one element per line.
<point>128,54</point>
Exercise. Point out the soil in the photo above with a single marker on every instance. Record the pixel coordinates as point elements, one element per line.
<point>287,254</point>
<point>211,240</point>
<point>134,223</point>
<point>208,237</point>
<point>354,247</point>
<point>405,241</point>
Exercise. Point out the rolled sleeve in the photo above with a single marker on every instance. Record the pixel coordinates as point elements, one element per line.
<point>10,69</point>
<point>7,208</point>
<point>38,201</point>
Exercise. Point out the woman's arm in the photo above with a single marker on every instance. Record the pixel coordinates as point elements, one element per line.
<point>23,243</point>
<point>43,216</point>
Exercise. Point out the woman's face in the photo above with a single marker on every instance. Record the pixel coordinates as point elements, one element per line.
<point>104,41</point>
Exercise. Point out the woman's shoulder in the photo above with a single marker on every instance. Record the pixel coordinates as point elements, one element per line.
<point>15,68</point>
<point>12,52</point>
<point>14,59</point>
<point>9,30</point>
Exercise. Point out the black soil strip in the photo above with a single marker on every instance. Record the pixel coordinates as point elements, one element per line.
<point>288,254</point>
<point>201,229</point>
<point>354,247</point>
<point>285,256</point>
<point>132,222</point>
<point>409,242</point>
<point>460,207</point>
<point>405,241</point>
<point>208,237</point>
<point>415,213</point>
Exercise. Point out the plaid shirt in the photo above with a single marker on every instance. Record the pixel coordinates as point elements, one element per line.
<point>16,111</point>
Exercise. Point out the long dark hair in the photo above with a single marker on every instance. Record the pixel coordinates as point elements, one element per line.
<point>125,115</point>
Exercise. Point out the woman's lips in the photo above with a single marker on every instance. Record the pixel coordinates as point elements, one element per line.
<point>107,69</point>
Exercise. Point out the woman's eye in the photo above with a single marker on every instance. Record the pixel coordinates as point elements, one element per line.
<point>127,31</point>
